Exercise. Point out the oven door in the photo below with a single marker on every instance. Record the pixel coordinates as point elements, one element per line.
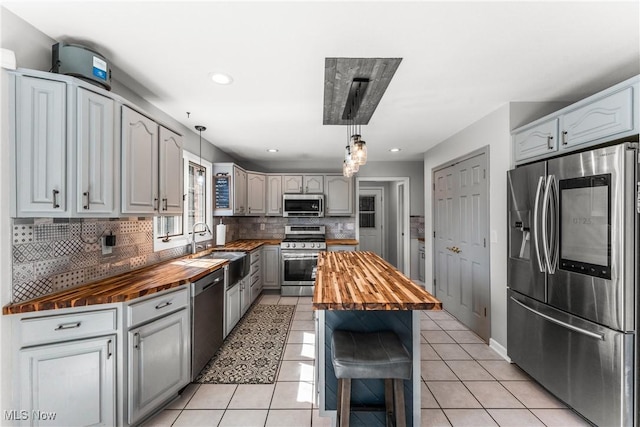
<point>590,235</point>
<point>299,267</point>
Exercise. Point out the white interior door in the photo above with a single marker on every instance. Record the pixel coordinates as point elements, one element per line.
<point>461,254</point>
<point>371,220</point>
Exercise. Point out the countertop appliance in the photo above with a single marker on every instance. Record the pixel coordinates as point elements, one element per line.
<point>573,279</point>
<point>299,258</point>
<point>303,205</point>
<point>207,302</point>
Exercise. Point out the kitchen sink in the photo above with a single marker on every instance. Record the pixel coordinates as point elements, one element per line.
<point>238,265</point>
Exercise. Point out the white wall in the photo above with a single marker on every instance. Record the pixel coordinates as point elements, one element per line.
<point>494,131</point>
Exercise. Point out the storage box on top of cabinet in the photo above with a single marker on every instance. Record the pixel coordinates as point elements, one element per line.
<point>608,115</point>
<point>64,147</point>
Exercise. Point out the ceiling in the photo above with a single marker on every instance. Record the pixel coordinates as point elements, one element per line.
<point>460,61</point>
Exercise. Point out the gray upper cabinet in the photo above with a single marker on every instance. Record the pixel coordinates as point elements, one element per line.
<point>256,194</point>
<point>274,195</point>
<point>171,188</point>
<point>139,163</point>
<point>239,191</point>
<point>534,141</point>
<point>603,117</point>
<point>95,154</point>
<point>302,184</point>
<point>40,147</point>
<point>339,195</point>
<point>608,115</point>
<point>313,183</point>
<point>152,177</point>
<point>292,183</point>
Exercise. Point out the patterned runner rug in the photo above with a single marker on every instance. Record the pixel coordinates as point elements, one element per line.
<point>252,352</point>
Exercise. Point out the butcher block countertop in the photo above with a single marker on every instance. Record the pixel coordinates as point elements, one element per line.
<point>347,242</point>
<point>124,287</point>
<point>364,281</point>
<point>246,245</point>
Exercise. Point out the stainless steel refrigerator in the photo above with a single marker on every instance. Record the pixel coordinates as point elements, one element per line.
<point>573,272</point>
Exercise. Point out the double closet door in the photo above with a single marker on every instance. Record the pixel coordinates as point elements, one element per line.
<point>461,247</point>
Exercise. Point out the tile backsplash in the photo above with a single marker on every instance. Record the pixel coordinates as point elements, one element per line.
<point>54,254</point>
<point>416,226</point>
<point>250,227</point>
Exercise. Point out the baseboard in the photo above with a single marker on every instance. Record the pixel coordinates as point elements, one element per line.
<point>498,348</point>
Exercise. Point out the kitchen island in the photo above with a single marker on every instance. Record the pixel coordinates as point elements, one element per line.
<point>359,291</point>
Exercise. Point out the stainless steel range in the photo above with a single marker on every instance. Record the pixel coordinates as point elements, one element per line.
<point>299,253</point>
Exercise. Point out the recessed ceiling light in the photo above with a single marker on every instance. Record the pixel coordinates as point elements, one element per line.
<point>221,78</point>
<point>395,150</point>
<point>272,150</point>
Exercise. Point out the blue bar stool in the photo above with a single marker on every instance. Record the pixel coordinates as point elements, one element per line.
<point>359,355</point>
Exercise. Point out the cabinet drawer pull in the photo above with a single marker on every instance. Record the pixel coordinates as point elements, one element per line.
<point>55,199</point>
<point>163,305</point>
<point>564,137</point>
<point>86,194</point>
<point>64,326</point>
<point>549,143</point>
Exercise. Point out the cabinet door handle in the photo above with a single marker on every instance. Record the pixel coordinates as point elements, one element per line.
<point>64,326</point>
<point>55,199</point>
<point>564,137</point>
<point>86,194</point>
<point>155,204</point>
<point>109,354</point>
<point>136,340</point>
<point>163,305</point>
<point>165,204</point>
<point>550,143</point>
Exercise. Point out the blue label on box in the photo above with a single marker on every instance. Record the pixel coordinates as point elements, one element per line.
<point>99,73</point>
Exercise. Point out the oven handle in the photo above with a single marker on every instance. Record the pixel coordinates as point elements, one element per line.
<point>298,257</point>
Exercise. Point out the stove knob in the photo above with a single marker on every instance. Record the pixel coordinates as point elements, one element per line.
<point>288,244</point>
<point>313,245</point>
<point>302,245</point>
<point>293,245</point>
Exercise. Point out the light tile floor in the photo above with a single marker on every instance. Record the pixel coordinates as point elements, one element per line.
<point>465,383</point>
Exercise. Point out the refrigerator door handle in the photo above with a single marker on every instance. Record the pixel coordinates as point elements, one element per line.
<point>559,322</point>
<point>536,235</point>
<point>546,243</point>
<point>555,228</point>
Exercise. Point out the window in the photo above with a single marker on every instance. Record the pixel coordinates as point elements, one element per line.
<point>367,211</point>
<point>173,231</point>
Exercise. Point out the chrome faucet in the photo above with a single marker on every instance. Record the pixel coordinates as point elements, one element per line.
<point>193,234</point>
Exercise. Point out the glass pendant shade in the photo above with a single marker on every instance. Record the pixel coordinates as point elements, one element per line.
<point>359,152</point>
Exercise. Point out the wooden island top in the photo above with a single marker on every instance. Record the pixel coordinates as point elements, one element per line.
<point>364,281</point>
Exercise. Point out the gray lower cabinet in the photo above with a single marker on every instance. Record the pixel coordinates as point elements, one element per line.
<point>232,307</point>
<point>158,362</point>
<point>271,267</point>
<point>245,295</point>
<point>68,384</point>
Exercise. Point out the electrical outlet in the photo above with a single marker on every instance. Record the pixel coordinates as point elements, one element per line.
<point>262,226</point>
<point>106,250</point>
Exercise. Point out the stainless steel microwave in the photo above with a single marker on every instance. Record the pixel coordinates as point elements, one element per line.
<point>305,205</point>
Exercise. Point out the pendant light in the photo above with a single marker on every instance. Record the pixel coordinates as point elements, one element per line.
<point>356,150</point>
<point>201,170</point>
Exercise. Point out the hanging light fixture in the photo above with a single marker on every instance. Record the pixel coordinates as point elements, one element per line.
<point>356,150</point>
<point>201,170</point>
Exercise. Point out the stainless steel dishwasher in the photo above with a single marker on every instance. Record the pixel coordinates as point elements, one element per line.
<point>207,318</point>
